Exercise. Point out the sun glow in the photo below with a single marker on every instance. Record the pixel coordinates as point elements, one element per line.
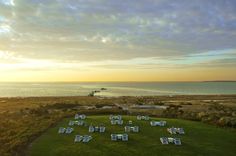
<point>92,41</point>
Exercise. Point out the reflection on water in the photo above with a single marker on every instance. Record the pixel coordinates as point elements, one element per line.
<point>116,89</point>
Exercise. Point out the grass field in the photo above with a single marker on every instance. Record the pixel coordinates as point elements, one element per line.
<point>200,140</point>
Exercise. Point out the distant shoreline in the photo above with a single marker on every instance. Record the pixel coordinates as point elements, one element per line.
<point>134,96</point>
<point>221,81</point>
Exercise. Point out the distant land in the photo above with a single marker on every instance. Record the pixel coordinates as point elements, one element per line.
<point>221,81</point>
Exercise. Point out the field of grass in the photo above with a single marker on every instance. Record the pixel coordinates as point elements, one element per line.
<point>200,139</point>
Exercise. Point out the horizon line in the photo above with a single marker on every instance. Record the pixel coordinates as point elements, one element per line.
<point>111,81</point>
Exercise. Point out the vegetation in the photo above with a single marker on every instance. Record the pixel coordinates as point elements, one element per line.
<point>25,119</point>
<point>214,114</point>
<point>200,139</point>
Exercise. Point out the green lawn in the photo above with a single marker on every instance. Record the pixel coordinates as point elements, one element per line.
<point>200,140</point>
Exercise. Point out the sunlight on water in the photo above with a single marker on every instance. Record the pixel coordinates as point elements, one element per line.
<point>116,89</point>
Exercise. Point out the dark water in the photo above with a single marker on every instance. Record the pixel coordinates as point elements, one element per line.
<point>117,89</point>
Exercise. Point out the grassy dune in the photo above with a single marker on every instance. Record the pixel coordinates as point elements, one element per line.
<point>200,139</point>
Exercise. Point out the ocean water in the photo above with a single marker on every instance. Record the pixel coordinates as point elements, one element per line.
<point>116,89</point>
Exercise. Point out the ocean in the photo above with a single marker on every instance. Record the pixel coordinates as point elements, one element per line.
<point>116,88</point>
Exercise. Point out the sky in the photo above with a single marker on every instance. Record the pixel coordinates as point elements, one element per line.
<point>117,40</point>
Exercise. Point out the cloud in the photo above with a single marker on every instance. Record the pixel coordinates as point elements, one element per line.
<point>8,2</point>
<point>4,29</point>
<point>211,59</point>
<point>104,30</point>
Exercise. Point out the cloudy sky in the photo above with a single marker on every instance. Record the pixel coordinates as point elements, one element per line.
<point>117,40</point>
